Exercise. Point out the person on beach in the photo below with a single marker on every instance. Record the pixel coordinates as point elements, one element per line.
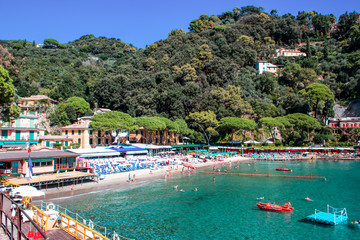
<point>129,177</point>
<point>134,179</point>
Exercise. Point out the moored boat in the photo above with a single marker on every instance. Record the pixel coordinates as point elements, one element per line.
<point>283,169</point>
<point>273,207</point>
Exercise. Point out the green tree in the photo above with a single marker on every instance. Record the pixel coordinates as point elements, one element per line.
<point>303,124</point>
<point>205,121</point>
<point>231,97</point>
<point>176,32</point>
<point>81,106</point>
<point>50,42</point>
<point>151,124</point>
<point>271,125</point>
<point>113,121</point>
<point>317,95</point>
<point>7,93</point>
<point>308,48</point>
<point>183,128</point>
<point>59,116</point>
<point>234,124</point>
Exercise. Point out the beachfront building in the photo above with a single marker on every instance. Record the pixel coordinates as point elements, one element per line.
<point>342,123</point>
<point>80,132</point>
<point>164,137</point>
<point>24,131</point>
<point>86,137</point>
<point>15,163</point>
<point>282,52</point>
<point>263,66</point>
<point>155,150</point>
<point>56,141</point>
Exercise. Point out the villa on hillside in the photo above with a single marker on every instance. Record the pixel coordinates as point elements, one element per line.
<point>282,52</point>
<point>345,122</point>
<point>264,66</point>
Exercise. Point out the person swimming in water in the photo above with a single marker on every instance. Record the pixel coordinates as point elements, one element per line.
<point>195,190</point>
<point>308,199</point>
<point>182,190</point>
<point>175,187</point>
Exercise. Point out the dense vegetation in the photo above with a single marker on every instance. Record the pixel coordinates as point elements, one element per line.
<point>210,68</point>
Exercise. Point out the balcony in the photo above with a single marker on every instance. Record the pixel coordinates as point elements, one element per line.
<point>10,138</point>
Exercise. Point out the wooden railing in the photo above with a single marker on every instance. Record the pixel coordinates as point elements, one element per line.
<point>13,226</point>
<point>79,230</point>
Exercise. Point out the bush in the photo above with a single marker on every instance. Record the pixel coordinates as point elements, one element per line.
<point>75,145</point>
<point>57,145</point>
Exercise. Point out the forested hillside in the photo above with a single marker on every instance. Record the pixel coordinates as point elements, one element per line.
<point>212,67</point>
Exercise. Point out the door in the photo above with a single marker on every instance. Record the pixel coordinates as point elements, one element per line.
<point>15,166</point>
<point>31,135</point>
<point>4,134</point>
<point>17,135</point>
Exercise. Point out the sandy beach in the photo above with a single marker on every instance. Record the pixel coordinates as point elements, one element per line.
<point>121,180</point>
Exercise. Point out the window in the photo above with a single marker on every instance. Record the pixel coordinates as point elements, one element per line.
<point>66,132</point>
<point>90,141</point>
<point>106,141</point>
<point>79,132</point>
<point>70,162</point>
<point>79,141</point>
<point>99,133</point>
<point>90,132</point>
<point>72,132</point>
<point>99,140</point>
<point>63,163</point>
<point>168,140</point>
<point>43,164</point>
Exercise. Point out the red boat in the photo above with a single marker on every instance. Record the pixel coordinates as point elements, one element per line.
<point>283,169</point>
<point>273,207</point>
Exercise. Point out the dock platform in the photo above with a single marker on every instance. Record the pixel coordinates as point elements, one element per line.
<point>333,217</point>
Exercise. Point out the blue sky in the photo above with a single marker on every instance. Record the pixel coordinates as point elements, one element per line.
<point>140,22</point>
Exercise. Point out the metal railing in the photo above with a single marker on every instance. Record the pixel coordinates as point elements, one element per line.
<point>79,230</point>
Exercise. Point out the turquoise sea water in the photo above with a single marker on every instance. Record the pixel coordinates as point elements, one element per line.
<point>226,208</point>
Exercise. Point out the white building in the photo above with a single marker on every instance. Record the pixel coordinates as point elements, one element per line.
<point>263,66</point>
<point>289,53</point>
